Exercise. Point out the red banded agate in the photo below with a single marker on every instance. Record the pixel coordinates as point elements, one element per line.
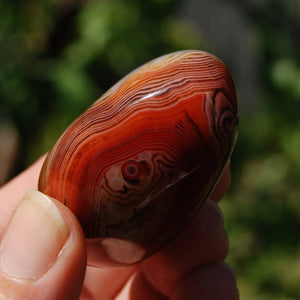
<point>136,166</point>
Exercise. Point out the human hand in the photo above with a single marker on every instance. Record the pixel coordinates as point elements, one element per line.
<point>43,254</point>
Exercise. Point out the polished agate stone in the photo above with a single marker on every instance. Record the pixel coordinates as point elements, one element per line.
<point>138,164</point>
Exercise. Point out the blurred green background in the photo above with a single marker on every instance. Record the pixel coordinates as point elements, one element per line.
<point>57,57</point>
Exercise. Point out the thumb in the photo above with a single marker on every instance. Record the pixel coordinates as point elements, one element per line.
<point>42,252</point>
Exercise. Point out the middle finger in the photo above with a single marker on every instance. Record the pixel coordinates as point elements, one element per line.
<point>203,241</point>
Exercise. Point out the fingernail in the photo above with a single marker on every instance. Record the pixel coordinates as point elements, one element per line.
<point>35,235</point>
<point>216,207</point>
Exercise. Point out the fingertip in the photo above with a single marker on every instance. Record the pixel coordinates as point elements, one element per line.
<point>42,251</point>
<point>34,237</point>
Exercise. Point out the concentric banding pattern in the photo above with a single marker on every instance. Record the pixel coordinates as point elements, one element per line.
<point>162,122</point>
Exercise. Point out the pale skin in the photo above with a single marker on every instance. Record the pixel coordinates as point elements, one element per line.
<point>190,267</point>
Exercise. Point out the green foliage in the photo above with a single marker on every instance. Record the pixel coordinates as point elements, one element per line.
<point>263,208</point>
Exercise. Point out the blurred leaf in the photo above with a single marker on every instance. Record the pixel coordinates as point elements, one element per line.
<point>286,75</point>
